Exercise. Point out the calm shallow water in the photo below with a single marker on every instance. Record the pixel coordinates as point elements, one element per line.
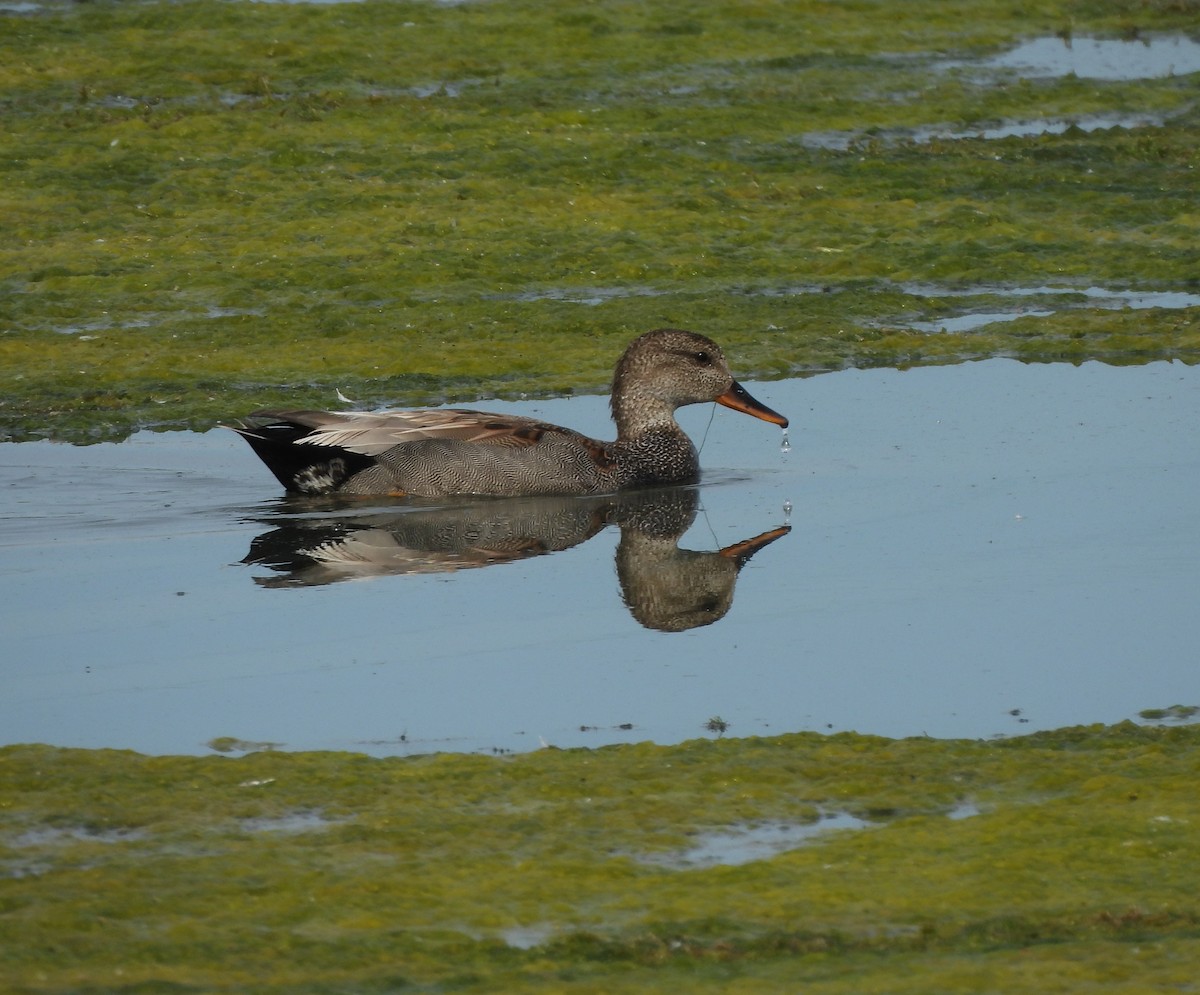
<point>1145,57</point>
<point>1151,57</point>
<point>982,549</point>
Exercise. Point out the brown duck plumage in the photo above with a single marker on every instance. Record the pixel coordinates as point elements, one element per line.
<point>451,451</point>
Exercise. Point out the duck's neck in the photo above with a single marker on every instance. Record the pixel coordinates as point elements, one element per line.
<point>651,448</point>
<point>656,456</point>
<point>636,414</point>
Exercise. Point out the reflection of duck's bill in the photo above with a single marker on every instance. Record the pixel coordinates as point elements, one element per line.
<point>738,398</point>
<point>740,552</point>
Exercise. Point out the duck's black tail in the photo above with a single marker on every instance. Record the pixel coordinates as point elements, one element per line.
<point>276,437</point>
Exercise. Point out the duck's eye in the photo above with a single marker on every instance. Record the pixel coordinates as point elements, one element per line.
<point>703,358</point>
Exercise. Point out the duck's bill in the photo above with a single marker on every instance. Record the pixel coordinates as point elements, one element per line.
<point>738,398</point>
<point>740,552</point>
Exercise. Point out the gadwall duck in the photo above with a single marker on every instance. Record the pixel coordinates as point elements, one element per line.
<point>444,452</point>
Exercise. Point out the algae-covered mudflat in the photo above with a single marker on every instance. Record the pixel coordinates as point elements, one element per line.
<point>1056,862</point>
<point>209,205</point>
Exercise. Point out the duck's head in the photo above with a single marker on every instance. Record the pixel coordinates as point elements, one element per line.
<point>668,368</point>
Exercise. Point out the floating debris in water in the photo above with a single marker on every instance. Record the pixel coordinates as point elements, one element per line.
<point>1174,713</point>
<point>232,744</point>
<point>717,725</point>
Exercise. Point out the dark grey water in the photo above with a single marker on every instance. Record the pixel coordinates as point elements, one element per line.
<point>982,549</point>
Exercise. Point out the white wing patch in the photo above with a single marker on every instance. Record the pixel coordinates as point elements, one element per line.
<point>374,433</point>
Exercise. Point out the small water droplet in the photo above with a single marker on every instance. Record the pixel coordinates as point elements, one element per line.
<point>785,446</point>
<point>787,512</point>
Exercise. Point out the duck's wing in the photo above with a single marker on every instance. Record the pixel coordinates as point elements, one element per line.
<point>374,433</point>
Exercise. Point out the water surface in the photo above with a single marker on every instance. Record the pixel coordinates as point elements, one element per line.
<point>1149,57</point>
<point>981,549</point>
<point>1084,57</point>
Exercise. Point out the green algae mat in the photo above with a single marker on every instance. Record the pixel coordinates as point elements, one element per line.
<point>212,205</point>
<point>1061,861</point>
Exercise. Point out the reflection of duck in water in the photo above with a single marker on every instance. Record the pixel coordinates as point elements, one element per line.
<point>665,587</point>
<point>476,533</point>
<point>674,589</point>
<point>447,452</point>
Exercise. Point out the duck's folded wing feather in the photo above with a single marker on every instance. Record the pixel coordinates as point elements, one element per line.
<point>374,433</point>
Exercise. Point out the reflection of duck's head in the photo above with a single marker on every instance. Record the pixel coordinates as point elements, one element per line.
<point>673,589</point>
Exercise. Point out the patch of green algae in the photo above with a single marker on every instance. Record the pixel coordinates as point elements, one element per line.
<point>212,206</point>
<point>323,872</point>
